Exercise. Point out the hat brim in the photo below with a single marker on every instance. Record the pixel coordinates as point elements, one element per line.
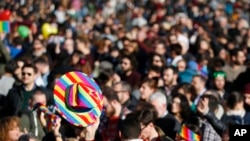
<point>81,119</point>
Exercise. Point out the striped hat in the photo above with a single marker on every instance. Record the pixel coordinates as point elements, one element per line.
<point>78,98</point>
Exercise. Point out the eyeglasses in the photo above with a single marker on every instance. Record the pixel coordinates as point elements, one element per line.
<point>24,73</point>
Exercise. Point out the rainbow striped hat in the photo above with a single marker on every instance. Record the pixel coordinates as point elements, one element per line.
<point>188,134</point>
<point>78,98</point>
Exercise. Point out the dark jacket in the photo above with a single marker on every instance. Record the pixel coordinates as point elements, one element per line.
<point>14,100</point>
<point>218,125</point>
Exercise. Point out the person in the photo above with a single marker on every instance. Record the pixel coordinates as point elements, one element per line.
<point>246,92</point>
<point>180,108</point>
<point>170,76</point>
<point>33,121</point>
<point>129,73</point>
<point>28,137</point>
<point>199,83</point>
<point>113,112</point>
<point>9,129</point>
<point>165,120</point>
<point>124,90</point>
<point>130,129</point>
<point>147,88</point>
<point>219,80</point>
<point>149,131</point>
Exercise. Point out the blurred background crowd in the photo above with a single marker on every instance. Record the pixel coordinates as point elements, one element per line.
<point>162,65</point>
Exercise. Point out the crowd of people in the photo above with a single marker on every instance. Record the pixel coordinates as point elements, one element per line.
<point>165,67</point>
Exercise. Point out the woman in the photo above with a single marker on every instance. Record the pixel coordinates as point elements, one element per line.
<point>80,63</point>
<point>180,108</point>
<point>9,129</point>
<point>158,60</point>
<point>148,87</point>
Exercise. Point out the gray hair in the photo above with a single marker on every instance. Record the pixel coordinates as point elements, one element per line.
<point>159,96</point>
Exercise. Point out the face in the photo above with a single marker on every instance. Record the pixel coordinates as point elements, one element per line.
<point>18,71</point>
<point>181,65</point>
<point>176,105</point>
<point>69,46</point>
<point>118,89</point>
<point>197,83</point>
<point>247,99</point>
<point>219,83</point>
<point>157,61</point>
<point>168,77</point>
<point>28,75</point>
<point>223,54</point>
<point>110,110</point>
<point>38,47</point>
<point>160,49</point>
<point>146,131</point>
<point>126,65</point>
<point>146,91</point>
<point>39,98</point>
<point>14,134</point>
<point>152,74</point>
<point>241,58</point>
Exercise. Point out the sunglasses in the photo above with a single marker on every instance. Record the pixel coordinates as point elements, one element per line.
<point>29,74</point>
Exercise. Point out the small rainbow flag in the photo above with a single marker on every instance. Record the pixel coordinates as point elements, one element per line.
<point>5,26</point>
<point>49,116</point>
<point>188,134</point>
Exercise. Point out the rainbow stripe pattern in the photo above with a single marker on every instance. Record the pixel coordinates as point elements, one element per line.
<point>188,134</point>
<point>5,26</point>
<point>49,116</point>
<point>78,98</point>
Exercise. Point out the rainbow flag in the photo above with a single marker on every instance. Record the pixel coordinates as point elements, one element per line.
<point>5,26</point>
<point>188,134</point>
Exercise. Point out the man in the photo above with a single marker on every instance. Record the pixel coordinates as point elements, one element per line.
<point>236,66</point>
<point>149,131</point>
<point>165,120</point>
<point>219,80</point>
<point>246,92</point>
<point>113,113</point>
<point>175,53</point>
<point>129,74</point>
<point>32,121</point>
<point>42,65</point>
<point>199,83</point>
<point>130,130</point>
<point>170,76</point>
<point>123,91</point>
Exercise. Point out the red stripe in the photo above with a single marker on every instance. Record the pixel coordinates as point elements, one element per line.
<point>71,78</point>
<point>59,95</point>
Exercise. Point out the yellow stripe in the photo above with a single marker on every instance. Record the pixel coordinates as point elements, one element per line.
<point>60,90</point>
<point>1,26</point>
<point>74,95</point>
<point>75,77</point>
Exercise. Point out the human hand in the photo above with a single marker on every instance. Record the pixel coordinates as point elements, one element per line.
<point>56,127</point>
<point>42,119</point>
<point>202,106</point>
<point>91,130</point>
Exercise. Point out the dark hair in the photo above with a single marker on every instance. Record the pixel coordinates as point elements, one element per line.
<point>30,66</point>
<point>174,69</point>
<point>152,82</point>
<point>130,128</point>
<point>233,99</point>
<point>184,106</point>
<point>213,102</point>
<point>160,56</point>
<point>132,60</point>
<point>155,69</point>
<point>201,77</point>
<point>176,48</point>
<point>27,137</point>
<point>146,116</point>
<point>11,66</point>
<point>111,95</point>
<point>39,91</point>
<point>188,88</point>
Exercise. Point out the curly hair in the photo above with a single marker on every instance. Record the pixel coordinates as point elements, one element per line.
<point>7,124</point>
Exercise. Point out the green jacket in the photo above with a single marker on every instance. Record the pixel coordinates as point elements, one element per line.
<point>28,122</point>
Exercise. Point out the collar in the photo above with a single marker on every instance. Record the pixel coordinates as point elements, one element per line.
<point>165,114</point>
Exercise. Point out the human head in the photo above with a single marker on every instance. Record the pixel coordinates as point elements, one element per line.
<point>147,88</point>
<point>158,60</point>
<point>199,83</point>
<point>11,67</point>
<point>238,56</point>
<point>170,75</point>
<point>38,47</point>
<point>123,90</point>
<point>235,101</point>
<point>180,106</point>
<point>175,50</point>
<point>160,48</point>
<point>111,103</point>
<point>181,65</point>
<point>42,64</point>
<point>212,102</point>
<point>28,137</point>
<point>130,128</point>
<point>128,63</point>
<point>188,90</point>
<point>246,93</point>
<point>69,46</point>
<point>38,96</point>
<point>28,74</point>
<point>219,80</point>
<point>9,129</point>
<point>154,71</point>
<point>159,101</point>
<point>147,118</point>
